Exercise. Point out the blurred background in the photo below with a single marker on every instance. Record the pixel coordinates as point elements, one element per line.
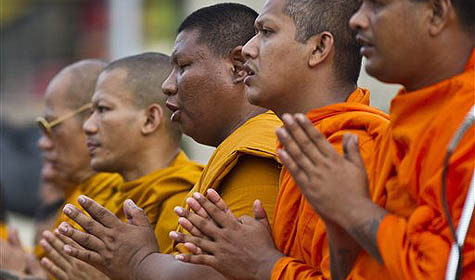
<point>39,37</point>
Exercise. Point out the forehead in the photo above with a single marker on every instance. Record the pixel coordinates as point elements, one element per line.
<point>272,9</point>
<point>186,44</point>
<point>56,93</point>
<point>111,85</point>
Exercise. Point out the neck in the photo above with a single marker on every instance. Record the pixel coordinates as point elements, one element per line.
<point>83,175</point>
<point>442,65</point>
<point>151,159</point>
<point>239,121</point>
<point>317,94</point>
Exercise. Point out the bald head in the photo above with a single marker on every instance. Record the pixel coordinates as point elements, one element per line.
<point>145,75</point>
<point>79,80</point>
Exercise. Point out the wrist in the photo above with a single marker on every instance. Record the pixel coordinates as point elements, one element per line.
<point>269,260</point>
<point>139,264</point>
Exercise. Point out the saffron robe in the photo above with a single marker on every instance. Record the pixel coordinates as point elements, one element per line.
<point>244,167</point>
<point>414,239</point>
<point>298,231</point>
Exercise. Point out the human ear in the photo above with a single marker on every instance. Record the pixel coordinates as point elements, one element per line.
<point>440,13</point>
<point>321,46</point>
<point>237,60</point>
<point>153,118</point>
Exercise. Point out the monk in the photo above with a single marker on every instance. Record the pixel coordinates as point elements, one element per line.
<point>403,226</point>
<point>206,95</point>
<point>325,61</point>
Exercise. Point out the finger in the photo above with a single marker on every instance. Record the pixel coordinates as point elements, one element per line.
<point>193,248</point>
<point>206,227</point>
<point>196,207</point>
<point>351,149</point>
<point>198,259</point>
<point>260,214</point>
<point>299,176</point>
<point>188,226</point>
<point>57,245</point>
<point>34,267</point>
<point>214,197</point>
<point>84,239</point>
<point>135,215</point>
<point>87,256</point>
<point>53,269</point>
<point>221,218</point>
<point>293,151</point>
<point>98,212</point>
<point>66,240</point>
<point>87,223</point>
<point>317,139</point>
<point>204,244</point>
<point>13,238</point>
<point>54,256</point>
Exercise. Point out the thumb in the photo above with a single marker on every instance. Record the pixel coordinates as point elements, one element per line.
<point>134,214</point>
<point>260,213</point>
<point>351,149</point>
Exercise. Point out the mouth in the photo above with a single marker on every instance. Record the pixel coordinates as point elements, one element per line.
<point>175,109</point>
<point>250,73</point>
<point>365,43</point>
<point>92,145</point>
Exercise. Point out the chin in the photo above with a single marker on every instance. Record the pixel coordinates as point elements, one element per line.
<point>253,97</point>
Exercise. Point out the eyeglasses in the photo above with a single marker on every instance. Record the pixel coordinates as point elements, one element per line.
<point>47,127</point>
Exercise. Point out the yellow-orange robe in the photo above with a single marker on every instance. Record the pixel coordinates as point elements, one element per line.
<point>99,187</point>
<point>414,239</point>
<point>245,167</point>
<point>298,232</point>
<point>3,231</point>
<point>157,194</point>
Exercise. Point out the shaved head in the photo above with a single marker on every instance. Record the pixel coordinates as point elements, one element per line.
<point>145,74</point>
<point>80,80</point>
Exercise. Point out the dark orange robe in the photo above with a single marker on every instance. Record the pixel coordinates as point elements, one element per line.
<point>414,239</point>
<point>298,231</point>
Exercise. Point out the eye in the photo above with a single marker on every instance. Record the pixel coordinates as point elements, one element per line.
<point>183,67</point>
<point>101,109</point>
<point>266,32</point>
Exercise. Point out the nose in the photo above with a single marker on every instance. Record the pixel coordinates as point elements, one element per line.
<point>359,20</point>
<point>45,143</point>
<point>169,86</point>
<point>250,49</point>
<point>89,126</point>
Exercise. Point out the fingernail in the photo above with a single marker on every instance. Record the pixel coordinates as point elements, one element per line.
<point>173,234</point>
<point>63,227</point>
<point>188,200</point>
<point>81,199</point>
<point>43,243</point>
<point>197,195</point>
<point>67,210</point>
<point>67,249</point>
<point>179,257</point>
<point>179,210</point>
<point>47,235</point>
<point>181,220</point>
<point>130,203</point>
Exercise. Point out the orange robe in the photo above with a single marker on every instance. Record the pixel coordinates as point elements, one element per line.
<point>298,231</point>
<point>414,239</point>
<point>245,167</point>
<point>99,187</point>
<point>157,194</point>
<point>3,231</point>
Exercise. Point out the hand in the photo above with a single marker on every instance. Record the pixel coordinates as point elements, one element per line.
<point>13,257</point>
<point>110,245</point>
<point>334,185</point>
<point>238,248</point>
<point>331,183</point>
<point>61,265</point>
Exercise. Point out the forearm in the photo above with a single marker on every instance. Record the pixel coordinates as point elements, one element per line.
<point>363,225</point>
<point>161,266</point>
<point>343,251</point>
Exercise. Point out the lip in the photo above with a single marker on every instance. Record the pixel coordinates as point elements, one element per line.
<point>250,73</point>
<point>366,45</point>
<point>92,145</point>
<point>176,111</point>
